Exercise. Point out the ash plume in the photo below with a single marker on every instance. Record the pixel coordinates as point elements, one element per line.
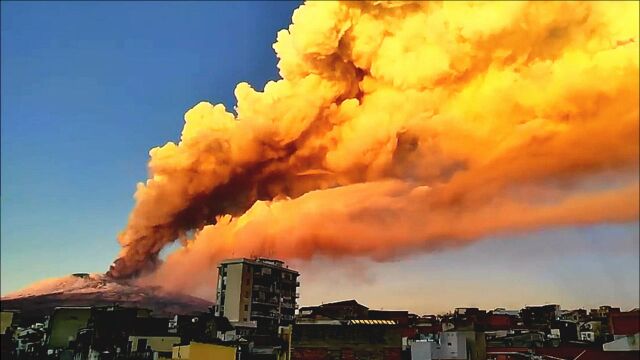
<point>402,126</point>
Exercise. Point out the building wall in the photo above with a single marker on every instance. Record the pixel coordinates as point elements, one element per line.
<point>375,342</point>
<point>233,292</point>
<point>627,343</point>
<point>422,350</point>
<point>198,351</point>
<point>181,352</point>
<point>476,345</point>
<point>157,343</point>
<point>64,325</point>
<point>590,331</point>
<point>347,354</point>
<point>453,345</point>
<point>6,319</point>
<point>245,293</point>
<point>588,336</point>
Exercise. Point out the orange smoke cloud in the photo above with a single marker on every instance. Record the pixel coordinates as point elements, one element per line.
<point>403,126</point>
<point>383,220</point>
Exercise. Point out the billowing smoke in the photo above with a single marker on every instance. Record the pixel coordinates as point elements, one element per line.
<point>399,127</point>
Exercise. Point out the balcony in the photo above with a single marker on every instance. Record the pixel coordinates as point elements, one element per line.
<point>264,302</point>
<point>256,314</point>
<point>261,288</point>
<point>264,272</point>
<point>297,295</point>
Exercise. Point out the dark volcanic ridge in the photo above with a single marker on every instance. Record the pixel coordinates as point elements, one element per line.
<point>99,290</point>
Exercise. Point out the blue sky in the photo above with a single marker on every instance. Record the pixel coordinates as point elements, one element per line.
<point>89,88</point>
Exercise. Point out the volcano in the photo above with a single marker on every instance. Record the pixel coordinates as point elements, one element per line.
<point>83,289</point>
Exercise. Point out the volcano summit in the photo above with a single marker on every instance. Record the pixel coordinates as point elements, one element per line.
<point>82,289</point>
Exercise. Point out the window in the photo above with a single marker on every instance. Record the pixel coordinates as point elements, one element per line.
<point>246,308</point>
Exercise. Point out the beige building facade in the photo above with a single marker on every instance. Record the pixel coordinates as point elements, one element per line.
<point>263,291</point>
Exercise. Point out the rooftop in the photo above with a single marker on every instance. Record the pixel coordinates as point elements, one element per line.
<point>273,263</point>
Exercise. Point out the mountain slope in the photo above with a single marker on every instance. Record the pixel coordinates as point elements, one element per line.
<point>96,290</point>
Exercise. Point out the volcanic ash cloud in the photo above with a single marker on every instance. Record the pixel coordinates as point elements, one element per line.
<point>402,126</point>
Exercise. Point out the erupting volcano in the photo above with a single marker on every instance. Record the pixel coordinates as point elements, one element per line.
<point>399,127</point>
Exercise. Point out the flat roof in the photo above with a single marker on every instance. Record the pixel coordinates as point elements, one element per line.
<point>73,307</point>
<point>259,262</point>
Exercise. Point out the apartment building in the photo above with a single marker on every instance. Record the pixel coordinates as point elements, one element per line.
<point>262,291</point>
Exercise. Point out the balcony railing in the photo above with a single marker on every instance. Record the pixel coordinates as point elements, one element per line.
<point>264,315</point>
<point>264,302</point>
<point>261,288</point>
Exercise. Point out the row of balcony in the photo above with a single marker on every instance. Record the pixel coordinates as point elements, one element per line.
<point>264,288</point>
<point>268,315</point>
<point>265,302</point>
<point>255,314</point>
<point>291,281</point>
<point>272,291</point>
<point>289,298</point>
<point>274,302</point>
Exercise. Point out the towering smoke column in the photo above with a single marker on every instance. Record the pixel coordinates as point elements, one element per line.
<point>402,126</point>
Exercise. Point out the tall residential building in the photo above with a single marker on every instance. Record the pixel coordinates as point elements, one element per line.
<point>260,290</point>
